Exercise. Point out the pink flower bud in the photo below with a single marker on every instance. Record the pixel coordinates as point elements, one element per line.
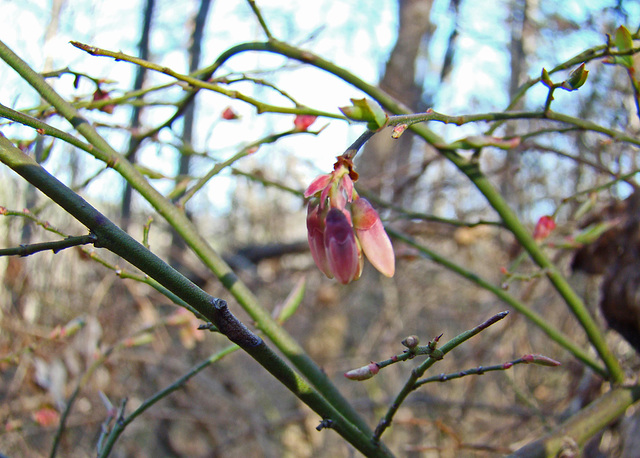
<point>46,417</point>
<point>372,236</point>
<point>315,235</point>
<point>363,373</point>
<point>343,253</point>
<point>544,226</point>
<point>229,114</point>
<point>302,122</point>
<point>100,95</point>
<point>540,359</point>
<point>399,130</point>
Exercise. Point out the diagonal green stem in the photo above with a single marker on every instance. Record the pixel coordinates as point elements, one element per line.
<point>471,170</point>
<point>114,239</point>
<point>553,333</point>
<point>511,221</point>
<point>419,371</point>
<point>179,221</point>
<point>122,423</point>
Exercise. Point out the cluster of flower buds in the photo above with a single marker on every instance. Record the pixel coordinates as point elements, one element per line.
<point>341,226</point>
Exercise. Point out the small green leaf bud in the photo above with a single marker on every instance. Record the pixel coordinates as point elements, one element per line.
<point>366,110</point>
<point>576,79</point>
<point>546,79</point>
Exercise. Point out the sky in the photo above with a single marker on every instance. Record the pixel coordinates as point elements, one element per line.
<point>356,34</point>
<point>115,25</point>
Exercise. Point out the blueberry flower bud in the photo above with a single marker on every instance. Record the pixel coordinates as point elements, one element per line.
<point>372,236</point>
<point>315,235</point>
<point>302,122</point>
<point>342,250</point>
<point>544,227</point>
<point>341,226</point>
<point>363,373</point>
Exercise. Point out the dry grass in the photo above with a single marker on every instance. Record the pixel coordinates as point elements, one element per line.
<point>234,408</point>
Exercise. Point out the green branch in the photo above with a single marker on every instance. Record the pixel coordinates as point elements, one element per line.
<point>27,250</point>
<point>261,20</point>
<point>554,334</point>
<point>187,230</point>
<point>215,310</point>
<point>582,426</point>
<point>43,128</point>
<point>284,49</point>
<point>472,171</point>
<point>194,82</point>
<point>419,371</point>
<point>576,123</point>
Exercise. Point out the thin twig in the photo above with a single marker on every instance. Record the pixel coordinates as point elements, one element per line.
<point>353,149</point>
<point>217,168</point>
<point>56,246</point>
<point>554,334</point>
<point>194,82</point>
<point>261,20</point>
<point>119,426</point>
<point>418,372</point>
<point>527,359</point>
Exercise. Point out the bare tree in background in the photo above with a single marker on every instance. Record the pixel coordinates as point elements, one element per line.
<point>519,24</point>
<point>134,141</point>
<point>232,410</point>
<point>386,160</point>
<point>189,117</point>
<point>50,32</point>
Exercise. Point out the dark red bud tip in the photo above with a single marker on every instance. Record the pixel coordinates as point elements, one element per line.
<point>364,372</point>
<point>229,114</point>
<point>541,359</point>
<point>302,122</point>
<point>544,227</point>
<point>341,247</point>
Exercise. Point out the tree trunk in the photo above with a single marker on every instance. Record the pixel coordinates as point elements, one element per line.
<point>384,161</point>
<point>134,142</point>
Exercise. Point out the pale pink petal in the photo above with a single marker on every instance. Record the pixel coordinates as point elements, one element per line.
<point>372,237</point>
<point>347,186</point>
<point>317,185</point>
<point>364,215</point>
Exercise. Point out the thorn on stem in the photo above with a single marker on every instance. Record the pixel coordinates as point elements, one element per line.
<point>326,423</point>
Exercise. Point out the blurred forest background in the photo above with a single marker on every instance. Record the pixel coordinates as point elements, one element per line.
<point>457,57</point>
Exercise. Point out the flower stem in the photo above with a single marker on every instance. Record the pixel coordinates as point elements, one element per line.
<point>185,227</point>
